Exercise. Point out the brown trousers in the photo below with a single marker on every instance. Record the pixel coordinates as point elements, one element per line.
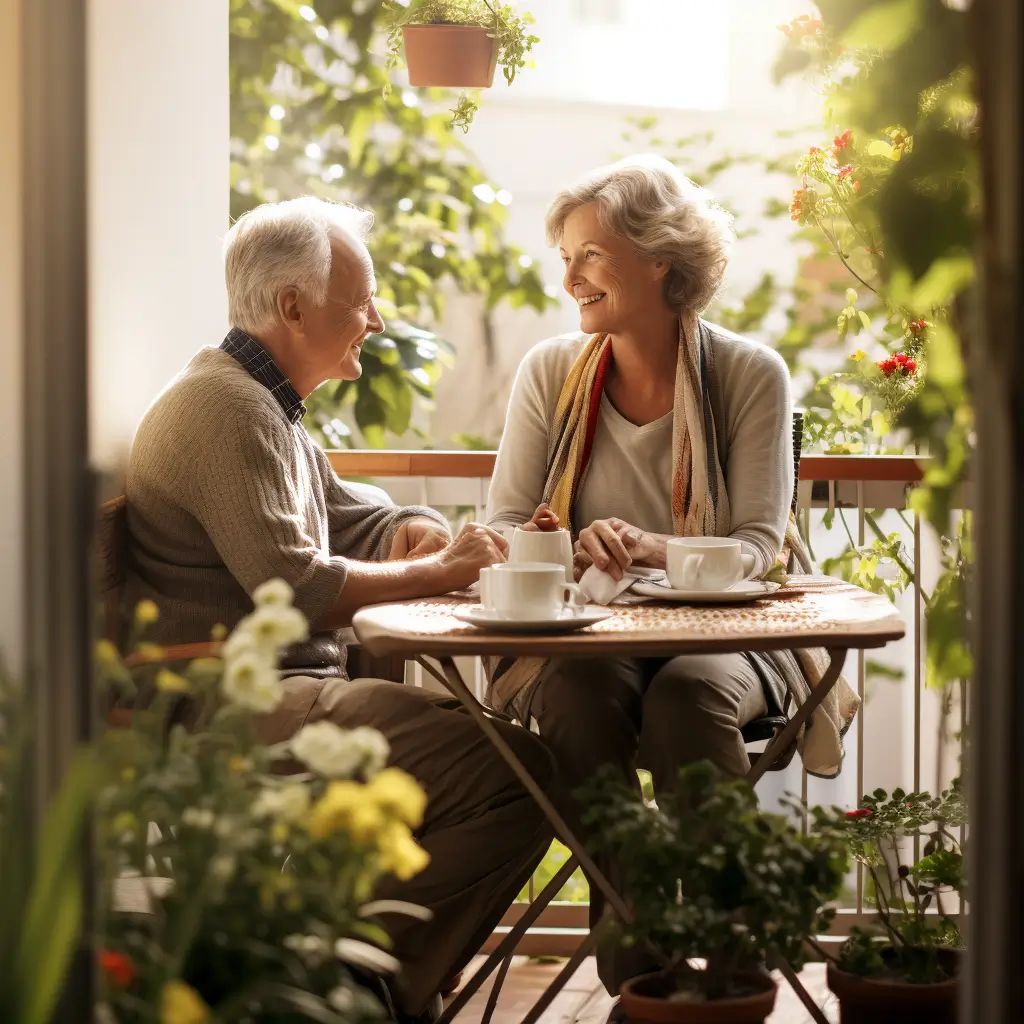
<point>655,714</point>
<point>484,833</point>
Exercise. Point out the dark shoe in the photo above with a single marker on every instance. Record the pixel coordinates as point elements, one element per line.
<point>433,1011</point>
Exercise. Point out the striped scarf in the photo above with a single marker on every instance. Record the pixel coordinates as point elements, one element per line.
<point>700,507</point>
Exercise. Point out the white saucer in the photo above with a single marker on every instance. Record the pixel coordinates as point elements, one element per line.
<point>566,622</point>
<point>748,590</point>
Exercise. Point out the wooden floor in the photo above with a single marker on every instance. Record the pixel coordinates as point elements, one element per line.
<point>584,1000</point>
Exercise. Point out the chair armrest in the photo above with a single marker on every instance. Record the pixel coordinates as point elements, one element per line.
<point>177,652</point>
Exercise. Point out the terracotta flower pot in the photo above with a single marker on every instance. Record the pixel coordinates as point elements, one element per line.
<point>453,56</point>
<point>877,1001</point>
<point>645,1002</point>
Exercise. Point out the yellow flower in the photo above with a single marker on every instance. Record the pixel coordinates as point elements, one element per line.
<point>397,793</point>
<point>146,613</point>
<point>238,765</point>
<point>106,653</point>
<point>346,805</point>
<point>400,854</point>
<point>219,632</point>
<point>124,822</point>
<point>150,652</point>
<point>128,774</point>
<point>181,1004</point>
<point>857,356</point>
<point>170,682</point>
<point>279,832</point>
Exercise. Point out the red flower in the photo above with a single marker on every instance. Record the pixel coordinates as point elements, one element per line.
<point>898,363</point>
<point>860,812</point>
<point>845,172</point>
<point>911,367</point>
<point>840,142</point>
<point>917,326</point>
<point>118,967</point>
<point>856,188</point>
<point>813,151</point>
<point>796,207</point>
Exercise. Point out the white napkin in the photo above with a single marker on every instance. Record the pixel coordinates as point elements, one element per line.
<point>600,588</point>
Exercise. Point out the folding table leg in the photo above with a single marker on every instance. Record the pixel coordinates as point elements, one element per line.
<point>507,946</point>
<point>562,830</point>
<point>492,998</point>
<point>784,737</point>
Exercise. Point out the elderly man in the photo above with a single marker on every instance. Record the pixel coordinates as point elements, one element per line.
<point>226,490</point>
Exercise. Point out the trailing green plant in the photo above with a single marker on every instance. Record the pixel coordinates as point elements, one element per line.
<point>309,116</point>
<point>228,889</point>
<point>512,36</point>
<point>912,897</point>
<point>709,875</point>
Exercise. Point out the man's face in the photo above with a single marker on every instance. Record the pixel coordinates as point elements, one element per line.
<point>335,332</point>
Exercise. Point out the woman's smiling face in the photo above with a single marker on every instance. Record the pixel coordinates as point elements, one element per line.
<point>610,281</point>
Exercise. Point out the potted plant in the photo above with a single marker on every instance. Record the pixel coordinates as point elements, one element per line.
<point>458,44</point>
<point>710,876</point>
<point>230,890</point>
<point>907,968</point>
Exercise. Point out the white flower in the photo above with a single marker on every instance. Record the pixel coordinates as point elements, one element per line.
<point>374,748</point>
<point>273,592</point>
<point>251,682</point>
<point>197,817</point>
<point>285,803</point>
<point>223,868</point>
<point>276,626</point>
<point>341,999</point>
<point>338,753</point>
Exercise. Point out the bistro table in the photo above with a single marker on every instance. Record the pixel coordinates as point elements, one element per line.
<point>806,612</point>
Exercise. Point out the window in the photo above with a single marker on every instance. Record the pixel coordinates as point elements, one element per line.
<point>598,12</point>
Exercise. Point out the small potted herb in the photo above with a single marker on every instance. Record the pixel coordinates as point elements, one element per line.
<point>710,876</point>
<point>906,968</point>
<point>458,44</point>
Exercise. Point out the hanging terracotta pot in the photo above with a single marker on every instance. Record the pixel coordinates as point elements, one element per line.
<point>452,56</point>
<point>645,1001</point>
<point>877,1001</point>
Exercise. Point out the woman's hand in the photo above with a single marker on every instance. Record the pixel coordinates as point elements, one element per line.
<point>544,520</point>
<point>614,545</point>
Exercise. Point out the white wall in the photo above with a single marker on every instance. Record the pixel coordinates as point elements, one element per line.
<point>10,336</point>
<point>158,202</point>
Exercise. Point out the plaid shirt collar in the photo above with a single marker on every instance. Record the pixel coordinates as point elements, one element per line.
<point>260,365</point>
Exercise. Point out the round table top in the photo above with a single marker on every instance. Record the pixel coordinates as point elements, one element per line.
<point>806,612</point>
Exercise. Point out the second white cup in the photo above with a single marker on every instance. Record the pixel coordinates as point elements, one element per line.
<point>706,563</point>
<point>528,590</point>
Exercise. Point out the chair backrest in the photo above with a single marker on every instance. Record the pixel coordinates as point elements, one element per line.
<point>798,440</point>
<point>112,562</point>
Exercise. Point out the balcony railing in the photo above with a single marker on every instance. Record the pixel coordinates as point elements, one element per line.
<point>895,740</point>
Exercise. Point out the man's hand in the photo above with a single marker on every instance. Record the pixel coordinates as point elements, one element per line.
<point>475,548</point>
<point>417,537</point>
<point>543,521</point>
<point>614,545</point>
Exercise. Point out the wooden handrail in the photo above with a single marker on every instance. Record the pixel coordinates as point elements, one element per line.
<point>480,465</point>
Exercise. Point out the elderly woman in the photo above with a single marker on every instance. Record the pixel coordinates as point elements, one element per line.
<point>650,424</point>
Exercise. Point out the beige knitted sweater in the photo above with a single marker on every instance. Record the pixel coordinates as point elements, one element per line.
<point>224,493</point>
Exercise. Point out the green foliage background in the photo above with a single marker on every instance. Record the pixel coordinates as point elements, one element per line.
<point>340,137</point>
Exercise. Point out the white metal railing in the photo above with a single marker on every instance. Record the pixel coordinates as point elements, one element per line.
<point>894,741</point>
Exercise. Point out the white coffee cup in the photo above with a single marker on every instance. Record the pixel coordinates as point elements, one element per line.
<point>706,563</point>
<point>537,546</point>
<point>528,590</point>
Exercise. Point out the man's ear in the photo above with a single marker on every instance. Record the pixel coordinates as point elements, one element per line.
<point>288,307</point>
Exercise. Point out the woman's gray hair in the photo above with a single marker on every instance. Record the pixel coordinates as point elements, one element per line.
<point>648,201</point>
<point>281,245</point>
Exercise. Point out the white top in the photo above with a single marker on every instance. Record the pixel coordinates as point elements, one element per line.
<point>630,471</point>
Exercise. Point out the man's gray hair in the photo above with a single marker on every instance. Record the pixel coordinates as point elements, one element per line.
<point>648,201</point>
<point>281,245</point>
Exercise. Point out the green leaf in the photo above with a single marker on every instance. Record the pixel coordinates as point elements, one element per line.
<point>883,26</point>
